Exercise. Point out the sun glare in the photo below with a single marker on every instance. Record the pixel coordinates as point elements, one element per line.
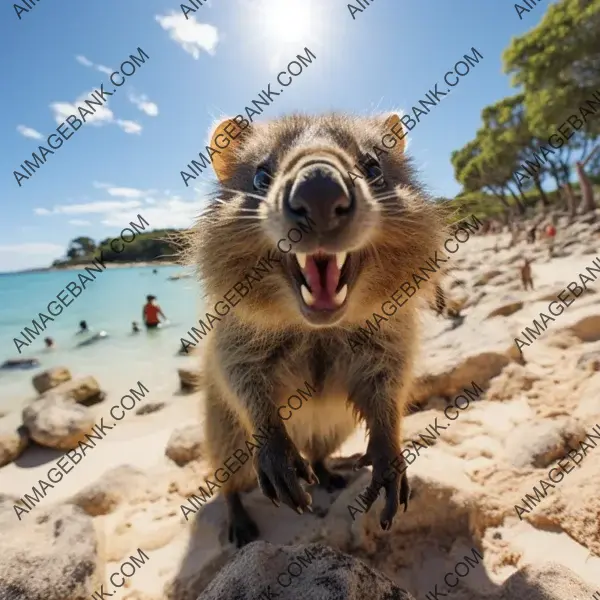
<point>283,22</point>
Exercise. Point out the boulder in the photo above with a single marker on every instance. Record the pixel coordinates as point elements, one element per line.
<point>84,390</point>
<point>185,444</point>
<point>54,554</point>
<point>550,581</point>
<point>50,379</point>
<point>111,490</point>
<point>12,443</point>
<point>57,423</point>
<point>191,380</point>
<point>319,572</point>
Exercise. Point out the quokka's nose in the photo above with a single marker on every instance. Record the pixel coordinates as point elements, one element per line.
<point>320,193</point>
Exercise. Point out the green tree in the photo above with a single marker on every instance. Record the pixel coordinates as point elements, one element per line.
<point>558,66</point>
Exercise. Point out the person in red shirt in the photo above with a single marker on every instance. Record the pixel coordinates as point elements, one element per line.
<point>151,313</point>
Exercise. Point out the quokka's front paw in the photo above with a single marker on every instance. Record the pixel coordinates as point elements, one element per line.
<point>279,466</point>
<point>389,473</point>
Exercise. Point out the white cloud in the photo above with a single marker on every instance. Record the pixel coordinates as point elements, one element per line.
<point>79,222</point>
<point>100,207</point>
<point>123,192</point>
<point>102,115</point>
<point>105,70</point>
<point>14,257</point>
<point>83,60</point>
<point>189,34</point>
<point>31,249</point>
<point>143,103</point>
<point>129,126</point>
<point>102,186</point>
<point>166,212</point>
<point>29,133</point>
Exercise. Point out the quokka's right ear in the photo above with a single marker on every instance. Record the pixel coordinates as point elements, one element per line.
<point>392,125</point>
<point>226,138</point>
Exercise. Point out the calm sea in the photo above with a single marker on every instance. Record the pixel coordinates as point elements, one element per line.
<point>109,303</point>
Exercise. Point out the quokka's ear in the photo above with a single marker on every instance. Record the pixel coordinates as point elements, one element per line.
<point>226,138</point>
<point>393,126</point>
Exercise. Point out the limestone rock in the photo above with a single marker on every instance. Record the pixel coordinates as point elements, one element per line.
<point>50,378</point>
<point>506,310</point>
<point>486,277</point>
<point>84,390</point>
<point>12,444</point>
<point>51,554</point>
<point>191,380</point>
<point>57,423</point>
<point>512,381</point>
<point>185,444</point>
<point>322,573</point>
<point>111,490</point>
<point>538,444</point>
<point>547,582</point>
<point>149,408</point>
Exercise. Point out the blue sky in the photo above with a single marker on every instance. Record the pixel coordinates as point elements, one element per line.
<point>128,161</point>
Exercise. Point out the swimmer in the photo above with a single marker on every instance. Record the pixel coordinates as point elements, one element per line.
<point>134,327</point>
<point>20,363</point>
<point>96,337</point>
<point>151,312</point>
<point>49,343</point>
<point>83,328</point>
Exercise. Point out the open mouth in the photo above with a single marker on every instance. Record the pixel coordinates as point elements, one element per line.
<point>322,279</point>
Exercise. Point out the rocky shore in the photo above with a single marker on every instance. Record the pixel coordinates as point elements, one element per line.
<point>503,442</point>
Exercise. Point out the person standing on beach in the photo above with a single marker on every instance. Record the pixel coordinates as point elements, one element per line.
<point>151,313</point>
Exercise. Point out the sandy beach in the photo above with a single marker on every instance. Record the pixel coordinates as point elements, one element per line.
<point>533,411</point>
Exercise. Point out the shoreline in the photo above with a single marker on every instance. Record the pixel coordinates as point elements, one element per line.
<point>112,265</point>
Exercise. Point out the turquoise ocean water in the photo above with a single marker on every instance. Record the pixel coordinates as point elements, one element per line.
<point>109,303</point>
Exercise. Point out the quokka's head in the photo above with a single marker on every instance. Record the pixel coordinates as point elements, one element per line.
<point>338,211</point>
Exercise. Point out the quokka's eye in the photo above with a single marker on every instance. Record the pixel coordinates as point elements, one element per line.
<point>375,175</point>
<point>262,179</point>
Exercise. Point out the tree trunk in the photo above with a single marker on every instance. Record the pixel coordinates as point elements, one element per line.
<point>587,192</point>
<point>538,186</point>
<point>571,200</point>
<point>520,205</point>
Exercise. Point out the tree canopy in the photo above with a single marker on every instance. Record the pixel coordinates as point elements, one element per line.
<point>556,69</point>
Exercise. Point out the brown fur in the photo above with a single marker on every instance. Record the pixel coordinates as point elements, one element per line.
<point>264,349</point>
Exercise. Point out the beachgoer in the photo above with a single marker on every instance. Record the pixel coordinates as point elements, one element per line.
<point>526,279</point>
<point>83,328</point>
<point>531,235</point>
<point>151,312</point>
<point>134,327</point>
<point>20,363</point>
<point>49,342</point>
<point>93,339</point>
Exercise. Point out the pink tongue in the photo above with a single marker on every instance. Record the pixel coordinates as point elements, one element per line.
<point>323,295</point>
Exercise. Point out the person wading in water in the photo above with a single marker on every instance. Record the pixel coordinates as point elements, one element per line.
<point>151,313</point>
